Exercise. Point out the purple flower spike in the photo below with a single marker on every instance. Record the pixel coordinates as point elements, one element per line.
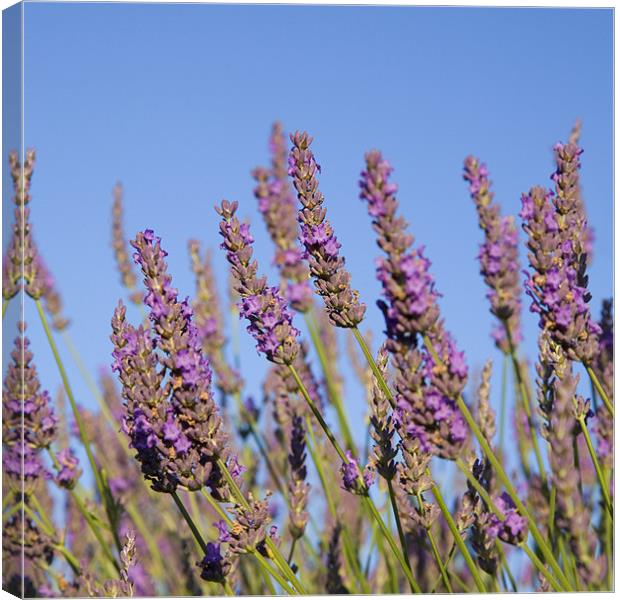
<point>331,279</point>
<point>426,410</point>
<point>351,476</point>
<point>557,283</point>
<point>271,323</point>
<point>499,255</point>
<point>277,205</point>
<point>171,417</point>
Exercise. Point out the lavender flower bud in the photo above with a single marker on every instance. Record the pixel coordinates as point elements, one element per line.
<point>499,254</point>
<point>51,296</point>
<point>277,205</point>
<point>265,308</point>
<point>335,583</point>
<point>249,529</point>
<point>121,247</point>
<point>215,567</point>
<point>298,487</point>
<point>209,322</point>
<point>68,469</point>
<point>331,279</point>
<point>512,530</point>
<point>382,430</point>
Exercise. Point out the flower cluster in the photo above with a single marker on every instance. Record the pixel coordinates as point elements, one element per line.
<point>171,417</point>
<point>331,279</point>
<point>499,255</point>
<point>277,205</point>
<point>271,324</point>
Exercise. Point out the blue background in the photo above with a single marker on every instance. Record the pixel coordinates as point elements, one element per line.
<point>177,103</point>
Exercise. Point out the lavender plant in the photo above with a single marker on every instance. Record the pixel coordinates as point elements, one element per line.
<point>170,489</point>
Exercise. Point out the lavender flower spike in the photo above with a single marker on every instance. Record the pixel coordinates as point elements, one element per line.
<point>331,279</point>
<point>264,307</point>
<point>499,254</point>
<point>171,416</point>
<point>121,246</point>
<point>557,284</point>
<point>277,205</point>
<point>426,410</point>
<point>298,487</point>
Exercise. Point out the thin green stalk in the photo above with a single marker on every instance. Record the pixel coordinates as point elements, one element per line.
<point>190,522</point>
<point>42,520</point>
<point>88,518</point>
<point>399,526</point>
<point>373,365</point>
<point>526,405</point>
<point>504,562</point>
<point>37,506</point>
<point>5,303</point>
<point>502,409</point>
<point>434,548</point>
<point>415,588</point>
<point>597,466</point>
<point>267,567</point>
<point>459,541</point>
<point>331,388</point>
<point>609,532</point>
<point>104,491</point>
<point>446,564</point>
<point>539,565</point>
<point>228,589</point>
<point>349,554</point>
<point>599,388</point>
<point>551,521</point>
<point>368,501</point>
<point>9,513</point>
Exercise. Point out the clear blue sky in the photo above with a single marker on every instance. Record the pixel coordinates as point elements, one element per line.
<point>177,103</point>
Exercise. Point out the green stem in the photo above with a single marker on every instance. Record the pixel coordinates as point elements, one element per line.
<point>551,522</point>
<point>597,467</point>
<point>5,303</point>
<point>228,589</point>
<point>446,564</point>
<point>399,526</point>
<point>265,565</point>
<point>502,410</point>
<point>373,365</point>
<point>368,501</point>
<point>349,554</point>
<point>88,518</point>
<point>504,562</point>
<point>434,548</point>
<point>190,522</point>
<point>415,588</point>
<point>526,404</point>
<point>539,565</point>
<point>331,388</point>
<point>599,388</point>
<point>104,492</point>
<point>457,538</point>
